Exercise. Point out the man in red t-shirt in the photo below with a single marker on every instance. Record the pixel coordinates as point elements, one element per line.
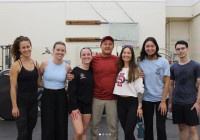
<point>105,70</point>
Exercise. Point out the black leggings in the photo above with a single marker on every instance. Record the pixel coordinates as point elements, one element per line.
<point>27,120</point>
<point>127,113</point>
<point>54,115</point>
<point>148,111</point>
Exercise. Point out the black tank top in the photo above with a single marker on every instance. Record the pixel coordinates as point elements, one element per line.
<point>27,83</point>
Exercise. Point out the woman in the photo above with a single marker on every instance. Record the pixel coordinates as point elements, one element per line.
<point>24,85</point>
<point>80,95</point>
<point>129,88</point>
<point>156,81</point>
<point>54,102</point>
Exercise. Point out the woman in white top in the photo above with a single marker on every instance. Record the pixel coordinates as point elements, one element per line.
<point>129,88</point>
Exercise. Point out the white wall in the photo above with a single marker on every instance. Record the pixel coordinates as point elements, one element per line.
<point>149,15</point>
<point>181,2</point>
<point>195,28</point>
<point>195,46</point>
<point>177,11</point>
<point>44,23</point>
<point>184,23</point>
<point>177,30</point>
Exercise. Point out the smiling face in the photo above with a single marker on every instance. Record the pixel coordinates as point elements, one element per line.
<point>150,48</point>
<point>181,50</point>
<point>59,51</point>
<point>25,48</point>
<point>126,55</point>
<point>107,47</point>
<point>86,56</point>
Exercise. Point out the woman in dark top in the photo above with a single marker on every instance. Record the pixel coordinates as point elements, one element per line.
<point>24,85</point>
<point>80,95</point>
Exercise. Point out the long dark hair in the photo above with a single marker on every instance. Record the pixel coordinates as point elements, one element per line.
<point>133,72</point>
<point>16,46</point>
<point>143,54</point>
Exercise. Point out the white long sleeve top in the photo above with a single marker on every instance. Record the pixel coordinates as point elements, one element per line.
<point>122,87</point>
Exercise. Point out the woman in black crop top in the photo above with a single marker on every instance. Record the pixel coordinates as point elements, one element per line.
<point>80,95</point>
<point>24,84</point>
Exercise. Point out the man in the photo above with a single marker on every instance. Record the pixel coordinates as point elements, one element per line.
<point>184,102</point>
<point>105,70</point>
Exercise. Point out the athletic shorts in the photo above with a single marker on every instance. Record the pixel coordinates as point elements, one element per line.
<point>182,114</point>
<point>83,108</point>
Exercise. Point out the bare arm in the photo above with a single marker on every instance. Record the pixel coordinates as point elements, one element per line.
<point>40,83</point>
<point>141,73</point>
<point>197,104</point>
<point>171,89</point>
<point>139,86</point>
<point>68,70</point>
<point>70,76</point>
<point>198,84</point>
<point>14,70</point>
<point>41,72</point>
<point>162,105</point>
<point>139,111</point>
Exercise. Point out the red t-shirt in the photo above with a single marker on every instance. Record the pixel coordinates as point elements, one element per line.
<point>105,70</point>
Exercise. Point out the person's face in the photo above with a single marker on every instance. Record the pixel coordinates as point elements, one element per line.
<point>86,56</point>
<point>126,55</point>
<point>25,48</point>
<point>107,47</point>
<point>150,48</point>
<point>181,50</point>
<point>59,51</point>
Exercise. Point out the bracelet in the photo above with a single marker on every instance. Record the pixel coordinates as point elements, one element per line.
<point>139,107</point>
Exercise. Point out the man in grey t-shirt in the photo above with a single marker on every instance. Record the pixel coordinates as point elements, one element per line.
<point>184,102</point>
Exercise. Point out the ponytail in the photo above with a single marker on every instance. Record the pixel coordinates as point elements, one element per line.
<point>16,46</point>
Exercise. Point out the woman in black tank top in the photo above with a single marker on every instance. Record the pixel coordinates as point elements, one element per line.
<point>24,84</point>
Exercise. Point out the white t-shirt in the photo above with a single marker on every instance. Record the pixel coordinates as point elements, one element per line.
<point>122,87</point>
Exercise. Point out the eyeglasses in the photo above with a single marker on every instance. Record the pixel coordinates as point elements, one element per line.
<point>130,46</point>
<point>182,49</point>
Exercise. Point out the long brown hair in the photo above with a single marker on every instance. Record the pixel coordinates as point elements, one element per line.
<point>133,72</point>
<point>16,46</point>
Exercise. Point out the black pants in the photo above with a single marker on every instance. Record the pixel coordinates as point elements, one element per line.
<point>27,120</point>
<point>127,113</point>
<point>148,112</point>
<point>54,115</point>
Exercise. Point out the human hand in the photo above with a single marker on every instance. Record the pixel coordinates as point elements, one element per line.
<point>139,112</point>
<point>170,107</point>
<point>196,105</point>
<point>70,76</point>
<point>162,108</point>
<point>15,112</point>
<point>74,115</point>
<point>142,74</point>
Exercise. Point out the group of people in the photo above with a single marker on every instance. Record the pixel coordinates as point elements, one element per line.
<point>25,77</point>
<point>120,86</point>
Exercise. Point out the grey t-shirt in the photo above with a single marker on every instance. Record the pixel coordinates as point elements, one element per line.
<point>185,77</point>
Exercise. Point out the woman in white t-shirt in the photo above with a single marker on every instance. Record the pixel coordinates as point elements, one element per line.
<point>129,88</point>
